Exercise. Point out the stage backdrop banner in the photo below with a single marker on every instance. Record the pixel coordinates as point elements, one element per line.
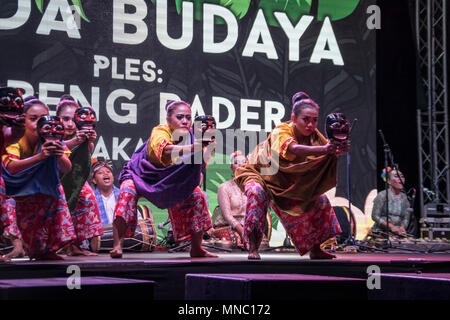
<point>238,60</point>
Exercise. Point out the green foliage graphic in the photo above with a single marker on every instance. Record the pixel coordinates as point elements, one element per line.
<point>335,9</point>
<point>77,4</point>
<point>294,9</point>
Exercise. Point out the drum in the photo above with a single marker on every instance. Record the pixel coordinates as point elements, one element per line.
<point>144,239</point>
<point>226,234</point>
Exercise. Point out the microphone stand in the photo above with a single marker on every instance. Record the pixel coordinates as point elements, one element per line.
<point>387,152</point>
<point>350,241</point>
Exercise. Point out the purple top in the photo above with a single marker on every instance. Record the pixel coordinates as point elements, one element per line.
<point>164,187</point>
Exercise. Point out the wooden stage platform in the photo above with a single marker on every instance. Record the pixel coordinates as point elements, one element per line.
<point>168,271</point>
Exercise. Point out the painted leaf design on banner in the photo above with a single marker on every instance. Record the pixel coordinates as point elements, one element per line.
<point>79,8</point>
<point>238,7</point>
<point>76,3</point>
<point>293,8</point>
<point>336,10</point>
<point>40,5</point>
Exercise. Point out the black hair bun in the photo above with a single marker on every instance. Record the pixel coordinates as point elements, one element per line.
<point>299,96</point>
<point>66,97</point>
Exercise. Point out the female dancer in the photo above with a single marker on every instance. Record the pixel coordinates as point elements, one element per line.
<point>154,173</point>
<point>30,171</point>
<point>80,197</point>
<point>291,170</point>
<point>12,129</point>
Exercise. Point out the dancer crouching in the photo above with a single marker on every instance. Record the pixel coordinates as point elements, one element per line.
<point>291,170</point>
<point>153,173</point>
<point>79,137</point>
<point>30,171</point>
<point>12,124</point>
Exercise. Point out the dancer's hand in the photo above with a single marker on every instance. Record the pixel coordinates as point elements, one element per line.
<point>82,135</point>
<point>51,148</point>
<point>92,135</point>
<point>330,147</point>
<point>342,147</point>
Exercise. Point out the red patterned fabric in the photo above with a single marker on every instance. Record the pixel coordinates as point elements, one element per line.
<point>189,216</point>
<point>12,230</point>
<point>126,206</point>
<point>4,220</point>
<point>311,228</point>
<point>86,217</point>
<point>8,222</point>
<point>44,222</point>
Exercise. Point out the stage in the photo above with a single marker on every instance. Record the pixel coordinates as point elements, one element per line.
<point>168,272</point>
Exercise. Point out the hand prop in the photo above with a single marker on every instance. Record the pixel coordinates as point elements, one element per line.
<point>85,118</point>
<point>337,127</point>
<point>206,124</point>
<point>50,128</point>
<point>11,107</point>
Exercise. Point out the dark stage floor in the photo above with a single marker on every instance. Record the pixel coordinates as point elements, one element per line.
<point>168,270</point>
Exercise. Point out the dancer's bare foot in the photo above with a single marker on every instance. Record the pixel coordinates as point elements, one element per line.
<point>95,244</point>
<point>75,250</point>
<point>17,251</point>
<point>317,253</point>
<point>253,247</point>
<point>119,229</point>
<point>202,253</point>
<point>88,253</point>
<point>116,253</point>
<point>254,255</point>
<point>50,256</point>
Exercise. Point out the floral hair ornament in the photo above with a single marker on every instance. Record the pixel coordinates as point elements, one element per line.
<point>234,155</point>
<point>383,173</point>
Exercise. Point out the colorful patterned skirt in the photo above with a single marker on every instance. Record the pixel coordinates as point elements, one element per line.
<point>4,218</point>
<point>187,217</point>
<point>86,216</point>
<point>8,222</point>
<point>44,222</point>
<point>305,231</point>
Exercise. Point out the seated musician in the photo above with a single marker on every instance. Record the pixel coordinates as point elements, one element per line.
<point>106,194</point>
<point>229,222</point>
<point>398,206</point>
<point>105,191</point>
